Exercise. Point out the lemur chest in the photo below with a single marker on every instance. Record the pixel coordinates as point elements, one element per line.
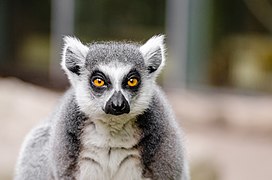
<point>110,154</point>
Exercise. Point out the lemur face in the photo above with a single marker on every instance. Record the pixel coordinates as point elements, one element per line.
<point>113,79</point>
<point>117,87</point>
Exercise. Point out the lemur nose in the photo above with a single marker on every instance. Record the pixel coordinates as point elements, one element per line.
<point>117,104</point>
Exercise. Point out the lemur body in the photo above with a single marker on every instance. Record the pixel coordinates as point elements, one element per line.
<point>113,123</point>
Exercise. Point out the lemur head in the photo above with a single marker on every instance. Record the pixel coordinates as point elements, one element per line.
<point>113,78</point>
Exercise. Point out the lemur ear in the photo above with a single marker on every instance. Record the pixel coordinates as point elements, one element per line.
<point>73,55</point>
<point>153,52</point>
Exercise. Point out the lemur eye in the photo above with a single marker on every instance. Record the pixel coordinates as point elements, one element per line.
<point>98,82</point>
<point>132,82</point>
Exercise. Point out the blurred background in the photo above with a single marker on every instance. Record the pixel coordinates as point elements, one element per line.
<point>218,76</point>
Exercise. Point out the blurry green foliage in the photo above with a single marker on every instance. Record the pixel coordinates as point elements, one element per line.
<point>119,19</point>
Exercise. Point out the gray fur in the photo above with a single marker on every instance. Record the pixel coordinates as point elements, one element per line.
<point>53,149</point>
<point>162,152</point>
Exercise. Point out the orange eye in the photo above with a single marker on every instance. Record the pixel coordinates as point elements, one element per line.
<point>98,82</point>
<point>132,82</point>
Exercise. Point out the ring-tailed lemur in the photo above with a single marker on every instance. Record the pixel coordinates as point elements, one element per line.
<point>114,123</point>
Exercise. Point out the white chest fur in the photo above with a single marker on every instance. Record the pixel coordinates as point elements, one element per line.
<point>108,152</point>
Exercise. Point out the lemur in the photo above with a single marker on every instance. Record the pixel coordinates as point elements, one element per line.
<point>114,123</point>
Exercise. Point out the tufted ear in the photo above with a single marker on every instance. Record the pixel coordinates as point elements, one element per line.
<point>153,52</point>
<point>73,56</point>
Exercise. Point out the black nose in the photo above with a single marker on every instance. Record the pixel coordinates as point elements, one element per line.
<point>117,104</point>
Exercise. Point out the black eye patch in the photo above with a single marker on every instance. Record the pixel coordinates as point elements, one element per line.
<point>99,75</point>
<point>132,74</point>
